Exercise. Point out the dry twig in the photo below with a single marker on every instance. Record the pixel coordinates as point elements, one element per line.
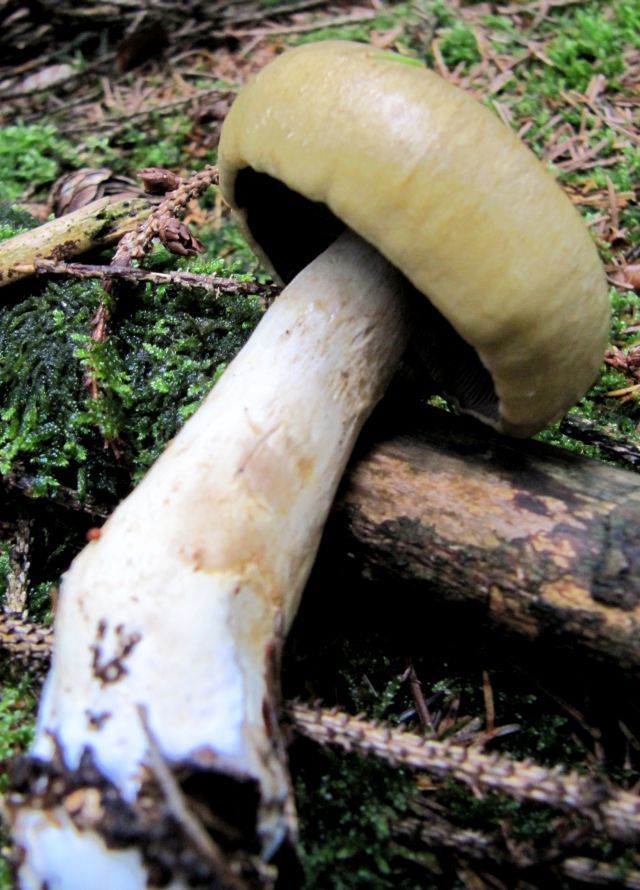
<point>317,25</point>
<point>15,596</point>
<point>135,244</point>
<point>214,284</point>
<point>610,809</point>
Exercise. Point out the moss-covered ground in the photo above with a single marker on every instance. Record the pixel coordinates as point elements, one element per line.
<point>566,77</point>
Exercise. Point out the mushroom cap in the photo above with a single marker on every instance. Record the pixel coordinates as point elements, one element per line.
<point>337,134</point>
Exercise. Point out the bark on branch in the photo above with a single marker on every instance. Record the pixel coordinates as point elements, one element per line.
<point>97,224</point>
<point>547,542</point>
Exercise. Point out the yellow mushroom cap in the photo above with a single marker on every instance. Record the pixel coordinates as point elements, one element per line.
<point>338,133</point>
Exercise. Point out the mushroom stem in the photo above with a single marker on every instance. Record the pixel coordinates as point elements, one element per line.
<point>169,625</point>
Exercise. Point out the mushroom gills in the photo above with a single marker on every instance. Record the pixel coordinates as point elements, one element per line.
<point>291,231</point>
<point>452,365</point>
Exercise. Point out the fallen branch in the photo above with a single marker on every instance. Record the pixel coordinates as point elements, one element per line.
<point>98,224</point>
<point>67,498</point>
<point>26,643</point>
<point>589,871</point>
<point>610,808</point>
<point>431,829</point>
<point>545,541</point>
<point>214,284</point>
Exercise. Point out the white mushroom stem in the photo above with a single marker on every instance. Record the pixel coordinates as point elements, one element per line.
<point>169,625</point>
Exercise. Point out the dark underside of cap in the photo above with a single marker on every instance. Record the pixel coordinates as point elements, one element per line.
<point>292,231</point>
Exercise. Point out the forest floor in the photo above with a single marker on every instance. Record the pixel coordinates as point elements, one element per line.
<point>114,90</point>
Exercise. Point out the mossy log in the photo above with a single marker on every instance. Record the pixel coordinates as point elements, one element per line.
<point>97,224</point>
<point>545,542</point>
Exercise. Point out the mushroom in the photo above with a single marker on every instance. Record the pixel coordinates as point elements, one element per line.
<point>366,183</point>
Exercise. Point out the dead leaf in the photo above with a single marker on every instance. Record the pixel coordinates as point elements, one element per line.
<point>45,78</point>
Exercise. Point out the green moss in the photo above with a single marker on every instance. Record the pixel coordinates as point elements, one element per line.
<point>14,220</point>
<point>439,11</point>
<point>348,808</point>
<point>17,708</point>
<point>591,46</point>
<point>459,45</point>
<point>501,24</point>
<point>174,345</point>
<point>625,311</point>
<point>375,686</point>
<point>17,713</point>
<point>231,243</point>
<point>166,347</point>
<point>30,156</point>
<point>33,156</point>
<point>585,40</point>
<point>547,737</point>
<point>160,143</point>
<point>42,396</point>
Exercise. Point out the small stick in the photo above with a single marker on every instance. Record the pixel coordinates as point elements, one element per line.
<point>214,284</point>
<point>162,108</point>
<point>489,704</point>
<point>270,12</point>
<point>135,245</point>
<point>15,597</point>
<point>421,706</point>
<point>608,807</point>
<point>316,25</point>
<point>590,871</point>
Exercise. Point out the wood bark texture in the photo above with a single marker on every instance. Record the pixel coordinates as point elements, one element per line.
<point>97,224</point>
<point>545,541</point>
